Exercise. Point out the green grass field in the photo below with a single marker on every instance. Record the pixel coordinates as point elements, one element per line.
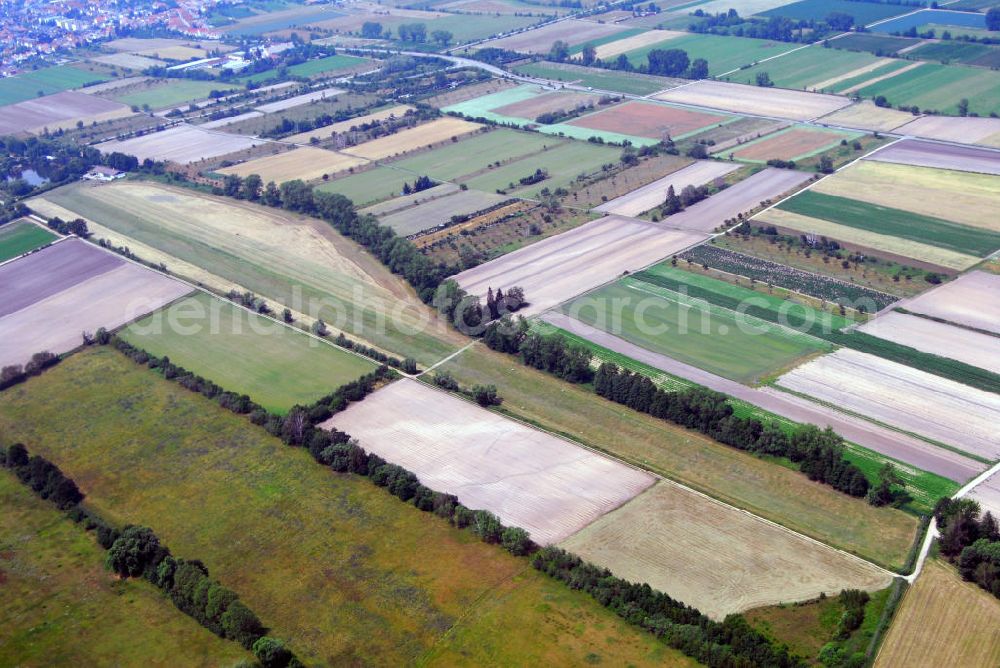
<point>370,186</point>
<point>246,353</point>
<point>328,65</point>
<point>20,237</point>
<point>739,347</point>
<point>819,9</point>
<point>564,163</point>
<point>872,42</point>
<point>722,53</point>
<point>806,68</point>
<point>619,82</point>
<point>879,71</point>
<point>940,87</point>
<point>764,488</point>
<point>60,607</point>
<point>894,222</point>
<point>173,92</point>
<point>607,39</point>
<point>342,570</point>
<point>470,27</point>
<point>951,51</point>
<point>467,156</point>
<point>28,85</point>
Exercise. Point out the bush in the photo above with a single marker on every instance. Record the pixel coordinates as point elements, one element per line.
<point>271,652</point>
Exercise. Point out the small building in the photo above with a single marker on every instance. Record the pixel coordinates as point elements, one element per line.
<point>102,173</point>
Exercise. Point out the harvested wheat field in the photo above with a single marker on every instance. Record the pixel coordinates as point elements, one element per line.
<point>327,131</point>
<point>564,266</point>
<point>648,119</point>
<point>943,156</point>
<point>962,130</point>
<point>943,621</point>
<point>652,195</point>
<point>545,103</point>
<point>959,197</point>
<point>756,101</point>
<point>305,163</point>
<point>644,39</point>
<point>72,287</point>
<point>61,110</point>
<point>438,130</point>
<point>182,144</point>
<point>548,486</point>
<point>541,39</point>
<point>714,557</point>
<point>930,336</point>
<point>911,400</point>
<point>791,144</point>
<point>885,243</point>
<point>865,115</point>
<point>970,300</point>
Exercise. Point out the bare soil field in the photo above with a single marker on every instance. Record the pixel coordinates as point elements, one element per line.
<point>406,201</point>
<point>541,39</point>
<point>545,103</point>
<point>789,145</point>
<point>69,288</point>
<point>647,119</point>
<point>746,195</point>
<point>183,144</point>
<point>327,131</point>
<point>906,398</point>
<point>774,102</point>
<point>866,116</point>
<point>987,493</point>
<point>299,100</point>
<point>304,163</point>
<point>439,211</point>
<point>880,243</point>
<point>128,61</point>
<point>652,195</point>
<point>962,130</point>
<point>943,621</point>
<point>943,156</point>
<point>981,350</point>
<point>61,110</point>
<point>229,120</point>
<point>961,197</point>
<point>438,130</point>
<point>970,300</point>
<point>564,266</point>
<point>714,557</point>
<point>612,49</point>
<point>466,93</point>
<point>548,486</point>
<point>738,132</point>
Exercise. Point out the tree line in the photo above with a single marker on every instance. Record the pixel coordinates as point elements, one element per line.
<point>136,552</point>
<point>971,541</point>
<point>13,374</point>
<point>546,352</point>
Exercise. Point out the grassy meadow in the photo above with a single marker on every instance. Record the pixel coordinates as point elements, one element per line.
<point>21,236</point>
<point>33,83</point>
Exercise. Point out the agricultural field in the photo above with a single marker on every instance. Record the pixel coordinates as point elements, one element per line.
<point>540,40</point>
<point>392,580</point>
<point>880,45</point>
<point>171,93</point>
<point>548,486</point>
<point>940,88</point>
<point>723,53</point>
<point>406,201</point>
<point>967,130</point>
<point>520,105</point>
<point>772,102</point>
<point>276,365</point>
<point>942,17</point>
<point>733,345</point>
<point>128,61</point>
<point>608,49</point>
<point>36,83</point>
<point>714,557</point>
<point>913,401</point>
<point>969,301</point>
<point>61,606</point>
<point>618,82</point>
<point>820,9</point>
<point>960,52</point>
<point>183,144</point>
<point>292,261</point>
<point>69,288</point>
<point>20,236</point>
<point>436,131</point>
<point>795,143</point>
<point>652,195</point>
<point>372,185</point>
<point>440,211</point>
<point>300,15</point>
<point>974,348</point>
<point>324,94</point>
<point>318,67</point>
<point>325,132</point>
<point>772,492</point>
<point>943,156</point>
<point>815,68</point>
<point>594,253</point>
<point>305,163</point>
<point>649,120</point>
<point>866,116</point>
<point>943,621</point>
<point>61,110</point>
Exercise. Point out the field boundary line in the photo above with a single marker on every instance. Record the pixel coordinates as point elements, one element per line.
<point>661,477</point>
<point>447,359</point>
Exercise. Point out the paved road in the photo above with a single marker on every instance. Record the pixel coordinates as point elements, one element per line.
<point>856,430</point>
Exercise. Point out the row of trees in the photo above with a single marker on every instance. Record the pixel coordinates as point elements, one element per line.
<point>42,476</point>
<point>725,644</point>
<point>15,373</point>
<point>819,453</point>
<point>970,540</point>
<point>551,352</point>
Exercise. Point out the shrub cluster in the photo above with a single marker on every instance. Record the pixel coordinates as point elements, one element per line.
<point>408,365</point>
<point>551,352</point>
<point>716,644</point>
<point>819,453</point>
<point>15,373</point>
<point>970,540</point>
<point>42,476</point>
